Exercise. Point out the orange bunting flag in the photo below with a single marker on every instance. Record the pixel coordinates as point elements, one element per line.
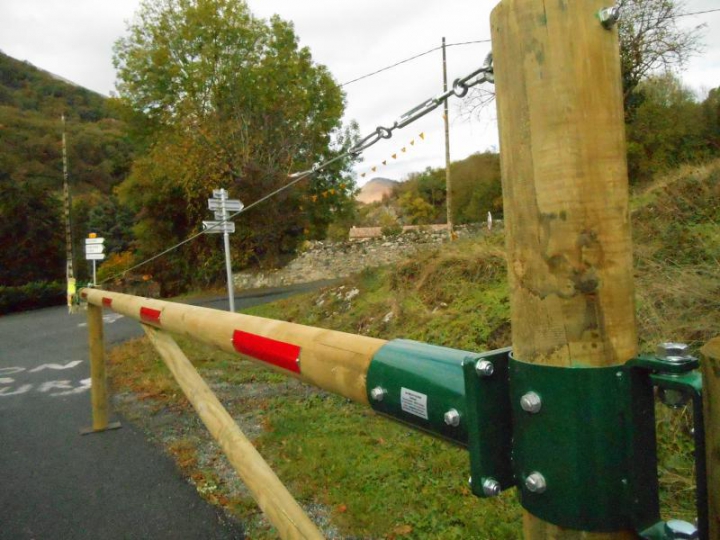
<point>404,149</point>
<point>363,175</point>
<point>325,194</point>
<point>412,143</point>
<point>394,156</point>
<point>314,198</point>
<point>422,136</point>
<point>374,169</point>
<point>385,162</point>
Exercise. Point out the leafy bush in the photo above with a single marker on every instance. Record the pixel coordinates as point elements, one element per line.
<point>31,296</point>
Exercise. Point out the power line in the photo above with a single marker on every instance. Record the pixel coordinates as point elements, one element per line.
<point>410,59</point>
<point>697,13</point>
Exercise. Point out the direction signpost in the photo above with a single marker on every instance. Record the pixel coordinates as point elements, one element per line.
<point>94,251</point>
<point>222,206</point>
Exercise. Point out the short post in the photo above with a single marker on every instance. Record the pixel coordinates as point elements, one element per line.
<point>711,401</point>
<point>565,190</point>
<point>98,388</point>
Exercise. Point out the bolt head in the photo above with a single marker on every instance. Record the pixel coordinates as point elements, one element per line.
<point>452,418</point>
<point>535,483</point>
<point>484,368</point>
<point>681,530</point>
<point>531,403</point>
<point>670,349</point>
<point>491,487</point>
<point>378,393</point>
<point>609,16</point>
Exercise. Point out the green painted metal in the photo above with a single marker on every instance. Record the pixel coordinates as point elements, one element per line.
<point>489,422</point>
<point>593,441</point>
<point>421,383</point>
<point>593,438</point>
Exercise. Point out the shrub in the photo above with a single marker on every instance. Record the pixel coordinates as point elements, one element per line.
<point>33,295</point>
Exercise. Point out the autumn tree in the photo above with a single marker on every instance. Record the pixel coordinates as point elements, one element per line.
<point>228,100</point>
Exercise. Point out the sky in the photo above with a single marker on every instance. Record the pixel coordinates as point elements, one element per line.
<point>74,39</point>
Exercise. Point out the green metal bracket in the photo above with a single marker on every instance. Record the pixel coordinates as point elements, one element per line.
<point>578,442</point>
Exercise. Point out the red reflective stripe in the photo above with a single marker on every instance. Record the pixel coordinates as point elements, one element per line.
<point>277,353</point>
<point>150,315</point>
<point>107,301</point>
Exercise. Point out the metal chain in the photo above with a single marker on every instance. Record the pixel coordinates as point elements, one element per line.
<point>459,89</point>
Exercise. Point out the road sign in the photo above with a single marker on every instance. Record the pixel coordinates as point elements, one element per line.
<point>91,241</point>
<point>94,256</point>
<point>219,193</point>
<point>94,249</point>
<point>218,227</point>
<point>232,205</point>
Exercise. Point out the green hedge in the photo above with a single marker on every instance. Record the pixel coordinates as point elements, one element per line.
<point>31,296</point>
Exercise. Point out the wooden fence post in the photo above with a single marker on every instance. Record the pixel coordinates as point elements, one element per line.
<point>565,189</point>
<point>98,389</point>
<point>711,400</point>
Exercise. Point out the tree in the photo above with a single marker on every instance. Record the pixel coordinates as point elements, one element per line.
<point>31,233</point>
<point>650,42</point>
<point>228,100</point>
<point>666,129</point>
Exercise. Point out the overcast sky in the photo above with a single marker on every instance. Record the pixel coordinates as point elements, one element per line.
<point>74,39</point>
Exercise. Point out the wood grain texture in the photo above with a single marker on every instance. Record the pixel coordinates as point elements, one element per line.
<point>268,491</point>
<point>565,190</point>
<point>711,403</point>
<point>334,361</point>
<point>98,389</point>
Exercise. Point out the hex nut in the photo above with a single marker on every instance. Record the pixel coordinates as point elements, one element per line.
<point>452,418</point>
<point>531,403</point>
<point>378,393</point>
<point>491,487</point>
<point>484,368</point>
<point>671,349</point>
<point>681,530</point>
<point>535,483</point>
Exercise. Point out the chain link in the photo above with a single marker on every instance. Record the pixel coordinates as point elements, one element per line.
<point>459,89</point>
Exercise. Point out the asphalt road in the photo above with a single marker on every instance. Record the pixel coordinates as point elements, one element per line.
<point>57,484</point>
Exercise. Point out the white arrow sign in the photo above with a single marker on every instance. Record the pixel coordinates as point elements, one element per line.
<point>218,227</point>
<point>94,256</point>
<point>90,241</point>
<point>94,248</point>
<point>232,205</point>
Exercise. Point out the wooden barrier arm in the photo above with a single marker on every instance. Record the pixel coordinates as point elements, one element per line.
<point>334,361</point>
<point>268,491</point>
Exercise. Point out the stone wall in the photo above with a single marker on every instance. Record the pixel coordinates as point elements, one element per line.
<point>331,260</point>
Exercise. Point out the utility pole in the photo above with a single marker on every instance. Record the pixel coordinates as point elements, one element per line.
<point>448,185</point>
<point>69,273</point>
<point>567,225</point>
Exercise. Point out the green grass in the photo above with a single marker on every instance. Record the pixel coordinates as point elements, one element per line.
<point>376,479</point>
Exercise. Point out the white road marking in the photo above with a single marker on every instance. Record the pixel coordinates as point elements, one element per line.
<point>22,390</point>
<point>69,365</point>
<point>55,385</point>
<point>11,370</point>
<point>85,385</point>
<point>6,380</point>
<point>109,319</point>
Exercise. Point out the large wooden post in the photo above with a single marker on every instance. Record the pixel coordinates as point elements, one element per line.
<point>98,378</point>
<point>98,389</point>
<point>565,189</point>
<point>711,401</point>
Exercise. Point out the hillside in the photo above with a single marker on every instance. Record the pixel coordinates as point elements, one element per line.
<point>31,173</point>
<point>375,190</point>
<point>334,454</point>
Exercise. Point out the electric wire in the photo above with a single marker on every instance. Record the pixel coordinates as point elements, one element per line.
<point>410,59</point>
